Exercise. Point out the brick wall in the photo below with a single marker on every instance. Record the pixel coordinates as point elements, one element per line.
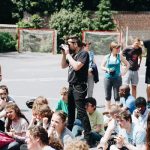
<point>137,24</point>
<point>12,29</point>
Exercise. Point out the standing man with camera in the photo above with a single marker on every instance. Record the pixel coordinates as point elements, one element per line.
<point>78,62</point>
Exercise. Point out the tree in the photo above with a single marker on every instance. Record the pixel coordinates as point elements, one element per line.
<point>42,7</point>
<point>35,21</point>
<point>69,22</point>
<point>104,20</point>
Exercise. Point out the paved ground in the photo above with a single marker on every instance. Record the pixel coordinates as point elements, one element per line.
<point>29,75</point>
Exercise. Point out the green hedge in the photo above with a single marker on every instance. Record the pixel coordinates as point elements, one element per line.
<point>7,43</point>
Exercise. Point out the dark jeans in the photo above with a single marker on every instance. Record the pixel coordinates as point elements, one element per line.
<point>112,83</point>
<point>76,99</point>
<point>77,131</point>
<point>12,146</point>
<point>2,126</point>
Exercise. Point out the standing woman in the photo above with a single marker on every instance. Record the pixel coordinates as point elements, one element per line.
<point>111,65</point>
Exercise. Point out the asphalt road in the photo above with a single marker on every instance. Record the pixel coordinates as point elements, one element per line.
<point>29,75</point>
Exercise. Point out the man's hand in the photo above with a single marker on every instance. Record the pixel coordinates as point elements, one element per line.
<point>65,49</point>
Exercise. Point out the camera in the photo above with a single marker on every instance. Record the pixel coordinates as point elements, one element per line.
<point>61,46</point>
<point>112,71</point>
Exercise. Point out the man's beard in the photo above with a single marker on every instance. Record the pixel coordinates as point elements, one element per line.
<point>71,51</point>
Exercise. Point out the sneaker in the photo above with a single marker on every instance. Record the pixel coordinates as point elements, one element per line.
<point>148,104</point>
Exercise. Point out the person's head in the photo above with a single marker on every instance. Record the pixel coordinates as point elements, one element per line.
<point>36,137</point>
<point>38,102</point>
<point>114,47</point>
<point>2,104</point>
<point>136,43</point>
<point>114,111</point>
<point>76,145</point>
<point>44,111</point>
<point>87,45</point>
<point>13,113</point>
<point>58,121</point>
<point>140,104</point>
<point>74,43</point>
<point>64,94</point>
<point>148,133</point>
<point>4,92</point>
<point>124,119</point>
<point>124,90</point>
<point>90,104</point>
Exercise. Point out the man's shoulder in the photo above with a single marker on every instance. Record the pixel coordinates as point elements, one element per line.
<point>131,98</point>
<point>128,48</point>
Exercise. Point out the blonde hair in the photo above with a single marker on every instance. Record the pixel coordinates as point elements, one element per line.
<point>39,101</point>
<point>64,90</point>
<point>76,145</point>
<point>44,111</point>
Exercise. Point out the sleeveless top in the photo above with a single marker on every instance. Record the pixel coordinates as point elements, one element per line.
<point>113,65</point>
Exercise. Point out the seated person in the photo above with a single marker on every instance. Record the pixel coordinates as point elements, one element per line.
<point>130,136</point>
<point>4,100</point>
<point>37,139</point>
<point>43,116</point>
<point>4,93</point>
<point>76,145</point>
<point>63,102</point>
<point>140,115</point>
<point>16,125</point>
<point>96,121</point>
<point>112,128</point>
<point>127,101</point>
<point>58,127</point>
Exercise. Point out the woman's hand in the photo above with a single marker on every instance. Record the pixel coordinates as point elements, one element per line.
<point>11,134</point>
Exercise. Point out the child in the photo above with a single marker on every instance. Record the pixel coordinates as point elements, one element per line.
<point>63,103</point>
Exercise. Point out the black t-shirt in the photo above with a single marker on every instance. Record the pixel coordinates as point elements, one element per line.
<point>80,76</point>
<point>147,46</point>
<point>132,55</point>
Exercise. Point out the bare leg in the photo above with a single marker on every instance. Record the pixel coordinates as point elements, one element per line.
<point>148,92</point>
<point>134,90</point>
<point>107,105</point>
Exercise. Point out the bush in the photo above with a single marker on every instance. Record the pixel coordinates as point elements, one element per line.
<point>35,21</point>
<point>7,42</point>
<point>69,23</point>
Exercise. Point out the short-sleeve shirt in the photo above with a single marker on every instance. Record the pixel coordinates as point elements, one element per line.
<point>132,55</point>
<point>129,103</point>
<point>66,136</point>
<point>96,118</point>
<point>79,76</point>
<point>137,135</point>
<point>62,106</point>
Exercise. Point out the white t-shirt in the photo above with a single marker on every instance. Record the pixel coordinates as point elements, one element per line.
<point>47,148</point>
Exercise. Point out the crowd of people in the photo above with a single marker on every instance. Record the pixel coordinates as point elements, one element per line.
<point>75,123</point>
